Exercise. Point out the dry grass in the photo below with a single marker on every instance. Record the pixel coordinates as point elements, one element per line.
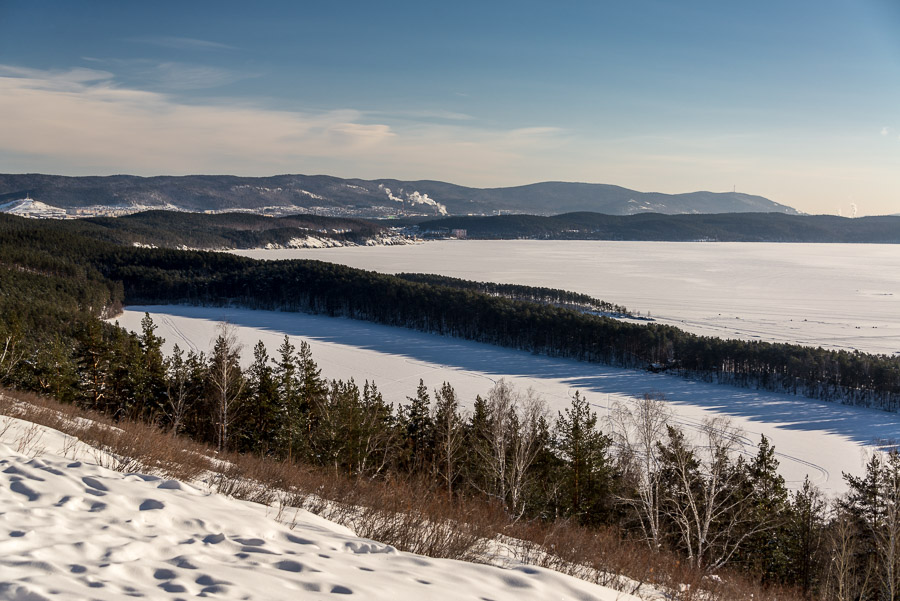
<point>408,514</point>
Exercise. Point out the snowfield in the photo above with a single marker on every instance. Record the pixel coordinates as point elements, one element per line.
<point>812,438</point>
<point>72,530</point>
<point>844,296</point>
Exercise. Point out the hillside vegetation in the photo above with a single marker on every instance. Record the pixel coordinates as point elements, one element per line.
<point>176,229</point>
<point>699,502</point>
<point>726,227</point>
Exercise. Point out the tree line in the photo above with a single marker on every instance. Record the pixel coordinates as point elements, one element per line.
<point>722,227</point>
<point>695,493</point>
<point>534,294</point>
<point>141,275</point>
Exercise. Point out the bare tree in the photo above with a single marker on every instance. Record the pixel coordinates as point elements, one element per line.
<point>887,537</point>
<point>11,354</point>
<point>703,497</point>
<point>226,379</point>
<point>637,430</point>
<point>846,578</point>
<point>511,442</point>
<point>448,435</point>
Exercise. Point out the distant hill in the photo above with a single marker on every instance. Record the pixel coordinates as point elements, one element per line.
<point>363,198</point>
<point>176,229</point>
<point>727,227</point>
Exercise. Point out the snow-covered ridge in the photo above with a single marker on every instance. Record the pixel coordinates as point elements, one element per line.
<point>28,207</point>
<point>310,241</point>
<point>72,529</point>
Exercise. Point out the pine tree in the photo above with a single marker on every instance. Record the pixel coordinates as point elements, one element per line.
<point>262,416</point>
<point>417,429</point>
<point>805,536</point>
<point>149,372</point>
<point>177,390</point>
<point>310,396</point>
<point>587,473</point>
<point>765,550</point>
<point>293,420</point>
<point>93,364</point>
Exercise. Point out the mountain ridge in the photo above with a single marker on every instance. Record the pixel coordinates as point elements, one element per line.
<point>330,195</point>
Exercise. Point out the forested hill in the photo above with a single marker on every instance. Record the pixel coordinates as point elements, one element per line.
<point>725,227</point>
<point>364,198</point>
<point>173,229</point>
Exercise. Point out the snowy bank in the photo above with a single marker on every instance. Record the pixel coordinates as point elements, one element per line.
<point>71,529</point>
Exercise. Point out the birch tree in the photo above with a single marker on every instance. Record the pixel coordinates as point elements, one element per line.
<point>226,380</point>
<point>449,436</point>
<point>637,430</point>
<point>702,495</point>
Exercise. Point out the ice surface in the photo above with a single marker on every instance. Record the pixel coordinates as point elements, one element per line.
<point>812,438</point>
<point>72,530</point>
<point>832,295</point>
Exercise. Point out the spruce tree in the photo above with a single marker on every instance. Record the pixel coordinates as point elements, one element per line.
<point>261,423</point>
<point>417,429</point>
<point>150,372</point>
<point>587,474</point>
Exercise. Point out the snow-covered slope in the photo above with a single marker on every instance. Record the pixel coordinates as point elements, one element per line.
<point>70,529</point>
<point>28,207</point>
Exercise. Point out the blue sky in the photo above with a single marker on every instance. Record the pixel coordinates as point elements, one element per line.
<point>796,101</point>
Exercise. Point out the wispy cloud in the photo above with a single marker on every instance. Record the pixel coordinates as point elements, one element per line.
<point>185,76</point>
<point>426,115</point>
<point>84,121</point>
<point>885,131</point>
<point>171,75</point>
<point>75,78</point>
<point>179,43</point>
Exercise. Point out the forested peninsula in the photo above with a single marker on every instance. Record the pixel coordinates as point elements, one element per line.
<point>52,270</point>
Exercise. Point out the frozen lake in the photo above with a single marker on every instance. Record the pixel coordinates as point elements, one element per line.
<point>833,295</point>
<point>811,437</point>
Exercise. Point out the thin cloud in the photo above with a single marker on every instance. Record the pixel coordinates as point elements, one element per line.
<point>171,75</point>
<point>885,131</point>
<point>185,76</point>
<point>179,43</point>
<point>427,115</point>
<point>82,121</point>
<point>56,79</point>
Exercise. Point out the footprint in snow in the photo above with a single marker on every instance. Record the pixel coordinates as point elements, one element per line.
<point>20,487</point>
<point>289,566</point>
<point>250,542</point>
<point>19,472</point>
<point>150,504</point>
<point>94,483</point>
<point>164,574</point>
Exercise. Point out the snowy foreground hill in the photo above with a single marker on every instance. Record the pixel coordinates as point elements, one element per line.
<point>71,529</point>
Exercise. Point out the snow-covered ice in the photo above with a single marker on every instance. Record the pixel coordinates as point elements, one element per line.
<point>812,438</point>
<point>72,530</point>
<point>833,295</point>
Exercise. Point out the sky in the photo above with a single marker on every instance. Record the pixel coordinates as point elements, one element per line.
<point>796,101</point>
